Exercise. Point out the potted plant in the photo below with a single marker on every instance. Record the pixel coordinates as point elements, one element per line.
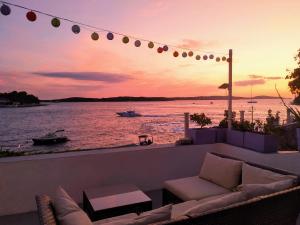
<point>202,135</point>
<point>235,136</point>
<point>296,118</point>
<point>262,137</point>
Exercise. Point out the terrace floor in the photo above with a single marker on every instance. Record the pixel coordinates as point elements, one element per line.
<point>31,218</point>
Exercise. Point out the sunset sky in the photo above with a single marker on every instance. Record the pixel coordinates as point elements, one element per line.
<point>55,63</point>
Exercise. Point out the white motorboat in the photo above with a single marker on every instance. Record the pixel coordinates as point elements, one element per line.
<point>50,139</point>
<point>129,113</point>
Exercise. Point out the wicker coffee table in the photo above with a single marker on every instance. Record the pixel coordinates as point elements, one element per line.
<point>104,202</point>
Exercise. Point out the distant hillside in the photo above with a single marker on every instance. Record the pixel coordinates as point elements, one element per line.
<point>18,98</point>
<point>139,99</point>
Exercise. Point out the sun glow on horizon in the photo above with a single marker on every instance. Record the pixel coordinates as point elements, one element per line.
<point>262,34</point>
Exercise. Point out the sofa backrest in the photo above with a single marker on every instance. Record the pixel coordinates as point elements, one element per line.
<point>275,170</point>
<point>45,210</point>
<point>280,208</point>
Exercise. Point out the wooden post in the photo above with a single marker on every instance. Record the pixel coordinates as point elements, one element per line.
<point>186,124</point>
<point>288,116</point>
<point>230,89</point>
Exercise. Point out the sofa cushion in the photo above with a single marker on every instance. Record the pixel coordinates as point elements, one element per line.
<point>145,218</point>
<point>193,188</point>
<point>75,218</point>
<point>180,208</point>
<point>255,190</point>
<point>217,203</point>
<point>221,171</point>
<point>116,218</point>
<point>63,203</point>
<point>255,175</point>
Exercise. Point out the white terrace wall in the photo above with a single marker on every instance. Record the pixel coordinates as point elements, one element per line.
<point>21,178</point>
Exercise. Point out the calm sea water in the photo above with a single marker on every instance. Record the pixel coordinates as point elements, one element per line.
<point>95,125</point>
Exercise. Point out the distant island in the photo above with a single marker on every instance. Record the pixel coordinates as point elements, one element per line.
<point>18,99</point>
<point>141,99</point>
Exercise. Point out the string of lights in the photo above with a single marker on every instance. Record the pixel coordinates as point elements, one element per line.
<point>31,16</point>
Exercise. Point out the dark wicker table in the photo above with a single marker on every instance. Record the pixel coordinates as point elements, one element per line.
<point>104,202</point>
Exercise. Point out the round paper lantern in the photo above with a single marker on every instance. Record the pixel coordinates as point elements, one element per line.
<point>76,29</point>
<point>211,56</point>
<point>95,36</point>
<point>137,43</point>
<point>223,58</point>
<point>5,10</point>
<point>218,59</point>
<point>31,16</point>
<point>160,49</point>
<point>165,48</point>
<point>184,54</point>
<point>151,44</point>
<point>198,57</point>
<point>110,36</point>
<point>125,40</point>
<point>175,54</point>
<point>205,57</point>
<point>191,53</point>
<point>55,22</point>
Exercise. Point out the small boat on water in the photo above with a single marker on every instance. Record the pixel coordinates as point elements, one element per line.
<point>51,138</point>
<point>145,139</point>
<point>129,113</point>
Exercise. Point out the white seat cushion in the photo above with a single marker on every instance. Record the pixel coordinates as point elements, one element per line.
<point>180,208</point>
<point>255,175</point>
<point>75,218</point>
<point>145,218</point>
<point>63,203</point>
<point>221,171</point>
<point>217,203</point>
<point>193,188</point>
<point>116,218</point>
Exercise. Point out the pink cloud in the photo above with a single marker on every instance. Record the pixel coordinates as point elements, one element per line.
<point>196,44</point>
<point>250,82</point>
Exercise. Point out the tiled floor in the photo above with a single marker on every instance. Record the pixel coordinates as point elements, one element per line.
<point>32,217</point>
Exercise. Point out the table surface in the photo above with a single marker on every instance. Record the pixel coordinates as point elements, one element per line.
<point>115,196</point>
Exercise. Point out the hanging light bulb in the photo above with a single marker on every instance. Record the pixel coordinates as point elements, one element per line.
<point>55,22</point>
<point>165,48</point>
<point>5,10</point>
<point>205,57</point>
<point>211,56</point>
<point>151,44</point>
<point>175,54</point>
<point>184,54</point>
<point>198,57</point>
<point>95,36</point>
<point>137,43</point>
<point>76,29</point>
<point>160,49</point>
<point>191,53</point>
<point>125,40</point>
<point>223,58</point>
<point>218,59</point>
<point>31,16</point>
<point>110,36</point>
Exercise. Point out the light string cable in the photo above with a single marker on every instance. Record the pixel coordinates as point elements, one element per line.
<point>94,28</point>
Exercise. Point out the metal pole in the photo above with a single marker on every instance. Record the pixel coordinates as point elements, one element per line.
<point>186,124</point>
<point>230,89</point>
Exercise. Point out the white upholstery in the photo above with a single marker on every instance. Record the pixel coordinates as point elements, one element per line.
<point>116,218</point>
<point>145,218</point>
<point>63,203</point>
<point>217,203</point>
<point>221,171</point>
<point>193,188</point>
<point>180,208</point>
<point>75,218</point>
<point>254,190</point>
<point>255,175</point>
